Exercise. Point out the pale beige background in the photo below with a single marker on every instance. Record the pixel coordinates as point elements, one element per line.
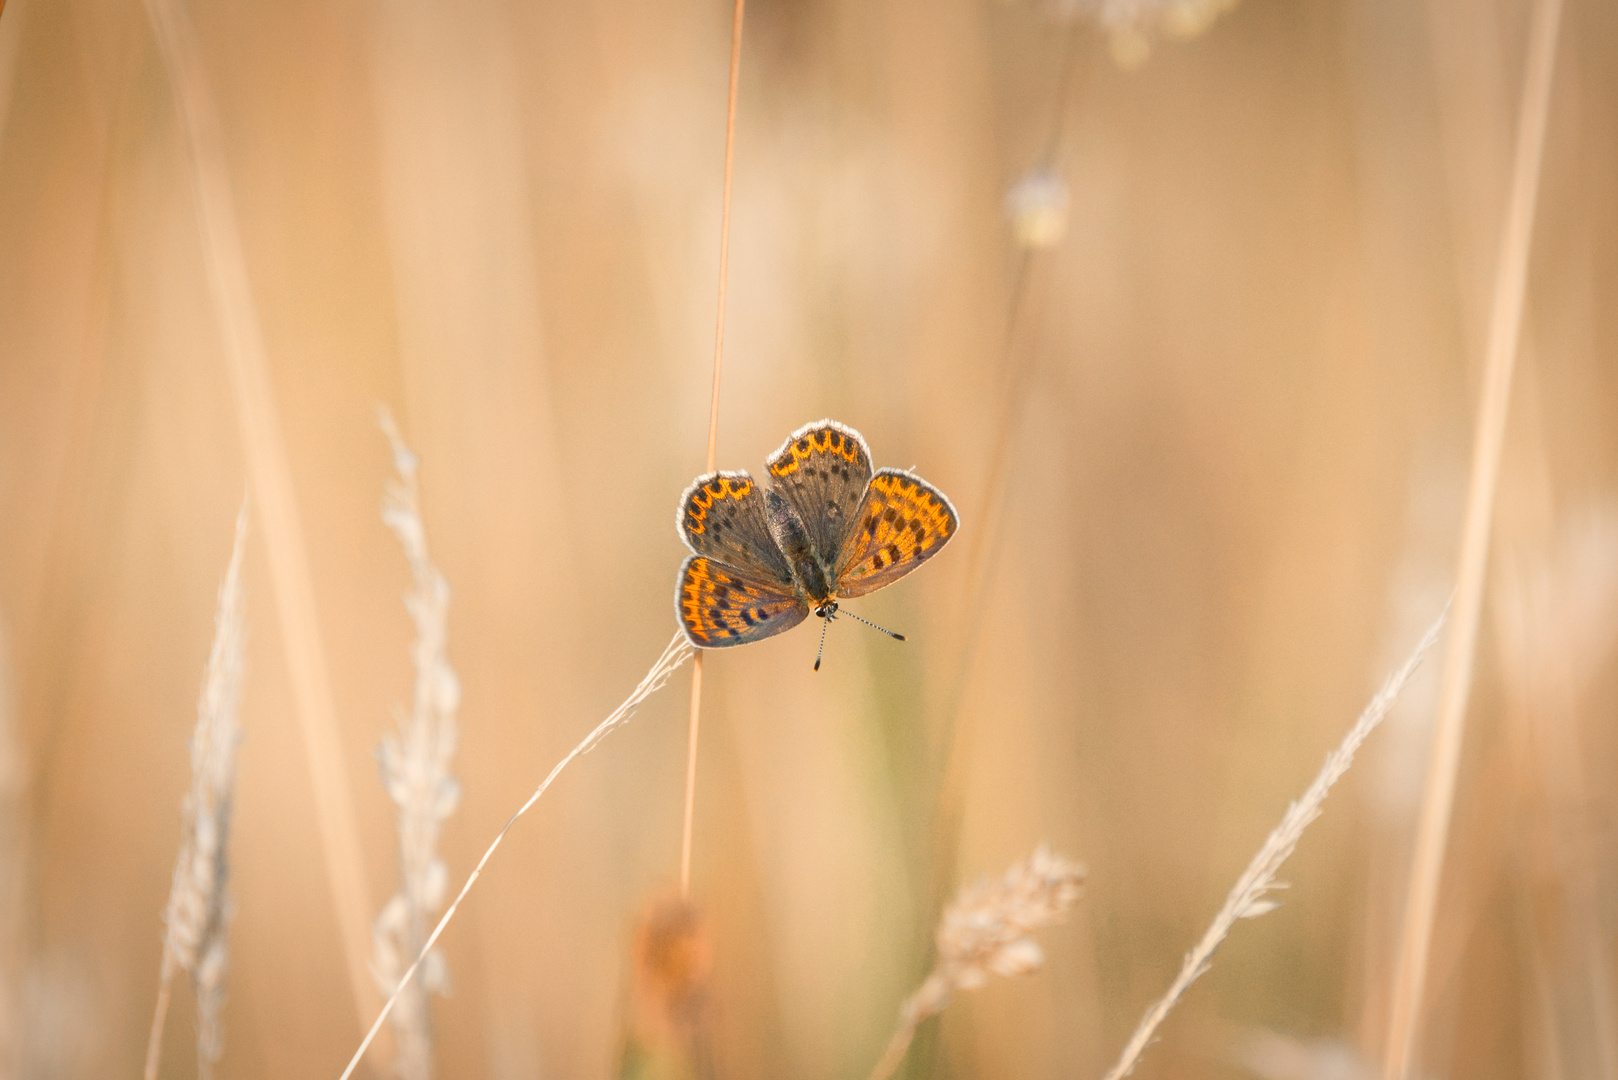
<point>1232,506</point>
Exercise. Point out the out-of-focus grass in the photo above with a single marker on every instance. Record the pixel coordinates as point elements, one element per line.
<point>1242,453</point>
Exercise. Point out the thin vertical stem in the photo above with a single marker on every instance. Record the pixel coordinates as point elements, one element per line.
<point>724,228</point>
<point>1505,326</point>
<point>690,777</point>
<point>1064,83</point>
<point>981,563</point>
<point>713,426</point>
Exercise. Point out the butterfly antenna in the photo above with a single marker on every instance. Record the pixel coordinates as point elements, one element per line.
<point>872,625</point>
<point>821,651</point>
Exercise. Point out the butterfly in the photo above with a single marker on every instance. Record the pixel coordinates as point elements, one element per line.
<point>826,529</point>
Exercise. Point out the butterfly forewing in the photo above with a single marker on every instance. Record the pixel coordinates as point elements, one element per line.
<point>822,470</point>
<point>722,516</point>
<point>902,523</point>
<point>721,605</point>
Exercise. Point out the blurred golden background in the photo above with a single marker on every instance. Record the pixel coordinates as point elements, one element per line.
<point>1236,400</point>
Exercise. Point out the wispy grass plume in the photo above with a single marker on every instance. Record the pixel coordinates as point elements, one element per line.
<point>988,930</point>
<point>1248,899</point>
<point>415,764</point>
<point>197,918</point>
<point>1132,24</point>
<point>675,653</point>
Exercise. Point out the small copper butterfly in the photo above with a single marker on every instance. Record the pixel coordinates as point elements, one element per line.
<point>827,529</point>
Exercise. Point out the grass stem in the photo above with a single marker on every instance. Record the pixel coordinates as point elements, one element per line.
<point>674,654</point>
<point>270,479</point>
<point>713,429</point>
<point>1505,328</point>
<point>1247,897</point>
<point>160,1015</point>
<point>690,777</point>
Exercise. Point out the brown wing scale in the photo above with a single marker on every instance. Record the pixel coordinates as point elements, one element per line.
<point>722,516</point>
<point>720,605</point>
<point>822,470</point>
<point>903,522</point>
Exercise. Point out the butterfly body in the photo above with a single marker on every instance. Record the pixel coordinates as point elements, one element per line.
<point>828,528</point>
<point>809,572</point>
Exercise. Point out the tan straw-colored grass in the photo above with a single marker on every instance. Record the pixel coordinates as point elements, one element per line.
<point>270,480</point>
<point>674,654</point>
<point>1248,898</point>
<point>1505,327</point>
<point>414,764</point>
<point>197,918</point>
<point>713,428</point>
<point>988,930</point>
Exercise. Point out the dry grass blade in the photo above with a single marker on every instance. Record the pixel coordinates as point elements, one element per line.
<point>198,912</point>
<point>1037,208</point>
<point>688,823</point>
<point>713,426</point>
<point>13,867</point>
<point>1505,326</point>
<point>674,654</point>
<point>988,930</point>
<point>270,476</point>
<point>1555,634</point>
<point>1247,898</point>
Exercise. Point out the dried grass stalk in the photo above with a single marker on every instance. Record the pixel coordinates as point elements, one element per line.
<point>1505,326</point>
<point>1248,898</point>
<point>694,726</point>
<point>198,913</point>
<point>675,653</point>
<point>1556,633</point>
<point>270,478</point>
<point>415,764</point>
<point>988,930</point>
<point>14,874</point>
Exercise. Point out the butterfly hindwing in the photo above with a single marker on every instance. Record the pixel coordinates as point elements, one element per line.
<point>720,605</point>
<point>822,470</point>
<point>902,523</point>
<point>722,516</point>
